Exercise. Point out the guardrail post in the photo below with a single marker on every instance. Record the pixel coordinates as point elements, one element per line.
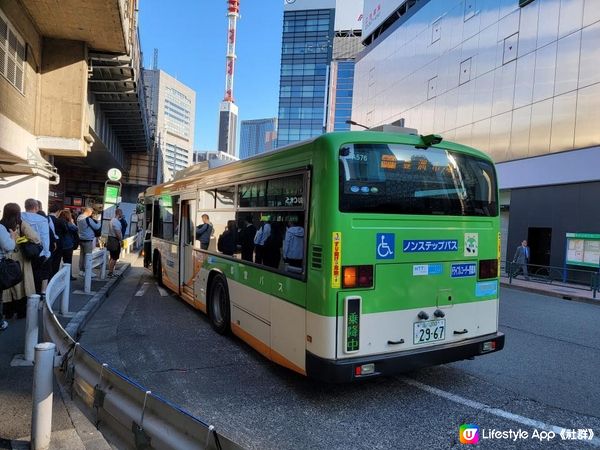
<point>87,282</point>
<point>31,326</point>
<point>103,269</point>
<point>43,388</point>
<point>64,302</point>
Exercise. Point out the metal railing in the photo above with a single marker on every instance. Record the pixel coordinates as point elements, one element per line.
<point>95,259</point>
<point>138,417</point>
<point>558,276</point>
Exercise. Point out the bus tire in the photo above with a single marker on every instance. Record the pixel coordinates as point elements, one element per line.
<point>219,311</point>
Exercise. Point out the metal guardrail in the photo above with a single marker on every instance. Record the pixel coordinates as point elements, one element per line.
<point>92,260</point>
<point>132,243</point>
<point>141,419</point>
<point>559,276</point>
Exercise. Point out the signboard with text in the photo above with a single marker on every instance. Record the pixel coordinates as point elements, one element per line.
<point>583,249</point>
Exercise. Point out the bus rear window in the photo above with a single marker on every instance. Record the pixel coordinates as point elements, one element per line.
<point>403,179</point>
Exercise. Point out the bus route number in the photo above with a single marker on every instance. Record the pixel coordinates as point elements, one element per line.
<point>294,201</point>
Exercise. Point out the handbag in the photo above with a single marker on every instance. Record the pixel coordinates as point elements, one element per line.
<point>31,251</point>
<point>10,273</point>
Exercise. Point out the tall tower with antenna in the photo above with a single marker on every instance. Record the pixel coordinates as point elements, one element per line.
<point>228,111</point>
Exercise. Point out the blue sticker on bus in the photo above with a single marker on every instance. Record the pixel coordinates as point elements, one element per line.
<point>485,288</point>
<point>418,246</point>
<point>385,245</point>
<point>427,269</point>
<point>462,270</point>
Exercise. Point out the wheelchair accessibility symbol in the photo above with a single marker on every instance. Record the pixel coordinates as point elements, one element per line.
<point>385,245</point>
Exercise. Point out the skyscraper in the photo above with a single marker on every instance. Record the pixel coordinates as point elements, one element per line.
<point>309,32</point>
<point>172,107</point>
<point>257,136</point>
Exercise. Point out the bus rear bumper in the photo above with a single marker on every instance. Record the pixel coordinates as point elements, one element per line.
<point>345,370</point>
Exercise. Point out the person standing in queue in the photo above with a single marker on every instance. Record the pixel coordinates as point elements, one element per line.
<point>115,237</point>
<point>86,225</point>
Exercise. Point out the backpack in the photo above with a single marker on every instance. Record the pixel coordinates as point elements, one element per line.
<point>54,242</point>
<point>123,225</point>
<point>97,232</point>
<point>75,235</point>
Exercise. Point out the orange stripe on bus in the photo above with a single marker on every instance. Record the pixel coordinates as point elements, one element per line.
<point>264,349</point>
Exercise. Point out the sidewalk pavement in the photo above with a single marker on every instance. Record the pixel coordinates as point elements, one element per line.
<point>578,293</point>
<point>70,428</point>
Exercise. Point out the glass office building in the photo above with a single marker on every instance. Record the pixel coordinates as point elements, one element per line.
<point>257,136</point>
<point>342,94</point>
<point>518,80</point>
<point>305,56</point>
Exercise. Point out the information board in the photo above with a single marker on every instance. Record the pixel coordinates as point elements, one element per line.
<point>583,249</point>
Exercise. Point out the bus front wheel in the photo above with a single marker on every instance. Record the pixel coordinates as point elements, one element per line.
<point>218,306</point>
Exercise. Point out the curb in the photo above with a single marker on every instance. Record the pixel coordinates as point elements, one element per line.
<point>82,317</point>
<point>563,296</point>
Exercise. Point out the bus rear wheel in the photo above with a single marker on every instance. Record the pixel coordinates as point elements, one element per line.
<point>218,305</point>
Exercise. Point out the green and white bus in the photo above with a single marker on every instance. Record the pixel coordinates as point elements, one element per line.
<point>351,255</point>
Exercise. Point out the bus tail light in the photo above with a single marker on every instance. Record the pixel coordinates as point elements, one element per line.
<point>488,268</point>
<point>357,276</point>
<point>488,346</point>
<point>365,369</point>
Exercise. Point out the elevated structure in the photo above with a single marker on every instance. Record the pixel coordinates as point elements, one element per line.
<point>228,110</point>
<point>72,104</point>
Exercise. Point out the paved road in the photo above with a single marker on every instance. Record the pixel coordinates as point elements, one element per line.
<point>546,376</point>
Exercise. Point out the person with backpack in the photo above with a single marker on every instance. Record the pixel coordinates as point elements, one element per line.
<point>204,232</point>
<point>70,241</point>
<point>8,236</point>
<point>40,224</point>
<point>89,229</point>
<point>15,298</point>
<point>58,230</point>
<point>123,223</point>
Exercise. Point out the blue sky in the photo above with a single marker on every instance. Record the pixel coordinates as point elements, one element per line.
<point>191,39</point>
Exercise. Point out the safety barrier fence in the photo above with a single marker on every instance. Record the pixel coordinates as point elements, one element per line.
<point>118,404</point>
<point>134,242</point>
<point>93,260</point>
<point>559,276</point>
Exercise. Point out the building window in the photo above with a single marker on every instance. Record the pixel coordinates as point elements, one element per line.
<point>12,55</point>
<point>436,31</point>
<point>432,88</point>
<point>465,71</point>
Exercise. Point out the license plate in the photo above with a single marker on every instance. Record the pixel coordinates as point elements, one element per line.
<point>430,331</point>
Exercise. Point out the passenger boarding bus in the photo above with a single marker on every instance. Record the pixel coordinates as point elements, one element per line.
<point>351,255</point>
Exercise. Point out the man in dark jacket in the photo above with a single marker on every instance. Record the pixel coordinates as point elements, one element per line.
<point>60,230</point>
<point>246,234</point>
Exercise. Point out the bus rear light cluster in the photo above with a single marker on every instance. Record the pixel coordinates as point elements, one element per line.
<point>488,268</point>
<point>357,276</point>
<point>488,346</point>
<point>365,369</point>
